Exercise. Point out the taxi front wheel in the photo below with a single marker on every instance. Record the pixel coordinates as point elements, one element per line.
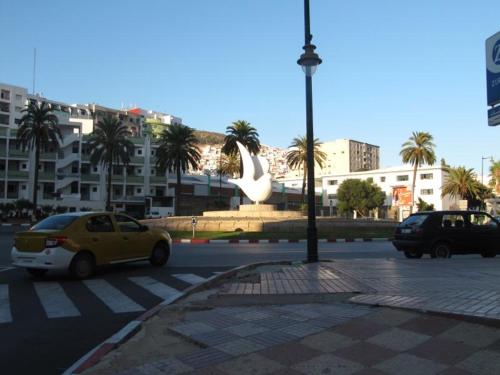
<point>159,254</point>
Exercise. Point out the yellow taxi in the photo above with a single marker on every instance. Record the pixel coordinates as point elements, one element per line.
<point>80,241</point>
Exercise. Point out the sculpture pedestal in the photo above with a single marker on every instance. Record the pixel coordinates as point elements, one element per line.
<point>267,211</point>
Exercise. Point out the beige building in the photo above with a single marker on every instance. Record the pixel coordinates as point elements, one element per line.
<point>345,156</point>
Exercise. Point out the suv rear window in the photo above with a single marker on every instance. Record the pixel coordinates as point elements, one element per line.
<point>414,220</point>
<point>56,222</point>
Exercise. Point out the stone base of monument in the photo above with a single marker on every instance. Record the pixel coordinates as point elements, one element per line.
<point>267,211</point>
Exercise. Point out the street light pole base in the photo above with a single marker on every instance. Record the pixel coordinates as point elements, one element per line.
<point>312,244</point>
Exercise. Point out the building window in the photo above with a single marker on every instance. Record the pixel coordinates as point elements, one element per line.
<point>426,192</point>
<point>153,152</point>
<point>139,171</point>
<point>24,166</point>
<point>23,187</point>
<point>94,169</point>
<point>139,151</point>
<point>19,97</point>
<point>333,182</point>
<point>152,172</point>
<point>402,178</point>
<point>332,196</point>
<point>139,190</point>
<point>382,179</point>
<point>426,176</point>
<point>94,189</point>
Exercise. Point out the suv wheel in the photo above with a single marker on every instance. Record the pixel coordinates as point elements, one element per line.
<point>488,253</point>
<point>413,254</point>
<point>82,266</point>
<point>441,250</point>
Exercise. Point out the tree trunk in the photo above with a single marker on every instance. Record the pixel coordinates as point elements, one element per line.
<point>110,175</point>
<point>35,182</point>
<point>177,188</point>
<point>413,187</point>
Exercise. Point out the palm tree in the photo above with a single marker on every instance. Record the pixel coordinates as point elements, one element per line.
<point>461,183</point>
<point>110,146</point>
<point>177,151</point>
<point>495,176</point>
<point>230,165</point>
<point>38,129</point>
<point>297,157</point>
<point>241,131</point>
<point>417,150</point>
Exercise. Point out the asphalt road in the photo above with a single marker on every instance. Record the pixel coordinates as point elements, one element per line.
<point>49,324</point>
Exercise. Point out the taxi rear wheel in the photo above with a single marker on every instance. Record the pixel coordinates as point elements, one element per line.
<point>36,272</point>
<point>159,254</point>
<point>82,266</point>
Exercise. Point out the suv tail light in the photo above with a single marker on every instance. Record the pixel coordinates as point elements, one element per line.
<point>55,241</point>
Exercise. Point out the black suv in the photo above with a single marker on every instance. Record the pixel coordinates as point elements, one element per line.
<point>442,233</point>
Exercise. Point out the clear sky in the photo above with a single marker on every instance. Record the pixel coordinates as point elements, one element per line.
<point>389,67</point>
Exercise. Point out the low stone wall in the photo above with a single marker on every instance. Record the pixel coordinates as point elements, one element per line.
<point>183,223</point>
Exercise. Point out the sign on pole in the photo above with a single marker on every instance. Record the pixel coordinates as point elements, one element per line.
<point>493,77</point>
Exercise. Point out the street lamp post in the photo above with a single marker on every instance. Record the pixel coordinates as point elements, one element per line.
<point>309,61</point>
<point>483,158</point>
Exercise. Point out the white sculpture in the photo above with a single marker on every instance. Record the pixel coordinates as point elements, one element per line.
<point>256,180</point>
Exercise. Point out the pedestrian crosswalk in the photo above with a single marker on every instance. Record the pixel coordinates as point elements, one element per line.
<point>57,301</point>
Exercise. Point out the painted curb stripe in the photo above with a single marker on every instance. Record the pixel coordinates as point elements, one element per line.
<point>190,278</point>
<point>99,352</point>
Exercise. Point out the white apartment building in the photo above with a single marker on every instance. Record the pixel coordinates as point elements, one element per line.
<point>344,156</point>
<point>66,176</point>
<point>396,182</point>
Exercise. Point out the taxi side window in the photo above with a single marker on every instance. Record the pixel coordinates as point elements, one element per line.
<point>126,224</point>
<point>99,224</point>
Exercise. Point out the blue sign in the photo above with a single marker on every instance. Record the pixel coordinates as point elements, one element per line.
<point>494,116</point>
<point>493,69</point>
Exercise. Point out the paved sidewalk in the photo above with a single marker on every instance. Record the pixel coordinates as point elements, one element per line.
<point>319,319</point>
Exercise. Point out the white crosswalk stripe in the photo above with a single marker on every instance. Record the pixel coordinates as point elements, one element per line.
<point>155,287</point>
<point>112,297</point>
<point>190,278</point>
<point>55,301</point>
<point>5,314</point>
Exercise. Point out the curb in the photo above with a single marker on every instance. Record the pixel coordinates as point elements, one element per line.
<point>113,342</point>
<point>199,241</point>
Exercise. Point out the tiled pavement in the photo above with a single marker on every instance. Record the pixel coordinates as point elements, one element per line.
<point>350,338</point>
<point>360,341</point>
<point>465,287</point>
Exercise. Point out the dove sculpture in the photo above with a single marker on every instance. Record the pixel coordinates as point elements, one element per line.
<point>256,180</point>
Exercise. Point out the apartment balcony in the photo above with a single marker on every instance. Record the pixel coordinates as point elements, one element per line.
<point>13,153</point>
<point>3,132</point>
<point>46,176</point>
<point>5,96</point>
<point>137,160</point>
<point>137,140</point>
<point>90,177</point>
<point>158,180</point>
<point>2,175</point>
<point>135,179</point>
<point>3,152</point>
<point>4,119</point>
<point>117,178</point>
<point>51,156</point>
<point>17,175</point>
<point>65,179</point>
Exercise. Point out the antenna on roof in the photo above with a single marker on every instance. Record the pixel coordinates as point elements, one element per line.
<point>34,70</point>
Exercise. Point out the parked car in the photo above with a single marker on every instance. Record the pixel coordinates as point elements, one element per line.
<point>443,233</point>
<point>80,241</point>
